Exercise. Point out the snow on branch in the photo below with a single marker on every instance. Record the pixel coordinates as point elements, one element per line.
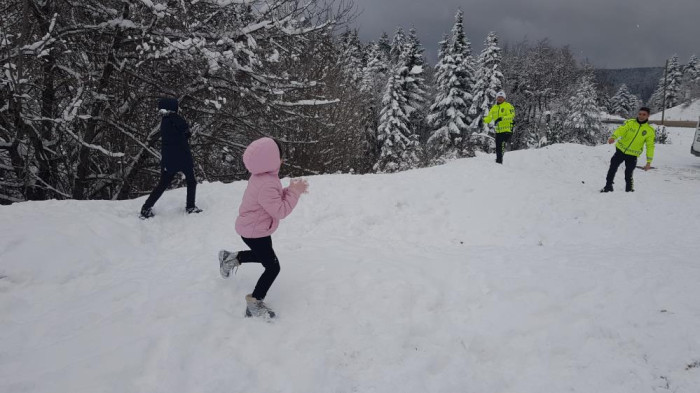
<point>307,102</point>
<point>158,9</point>
<point>226,3</point>
<point>306,30</point>
<point>10,198</point>
<point>49,187</point>
<point>92,146</point>
<point>255,27</point>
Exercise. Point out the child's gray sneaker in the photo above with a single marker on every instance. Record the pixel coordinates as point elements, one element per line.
<point>227,262</point>
<point>257,308</point>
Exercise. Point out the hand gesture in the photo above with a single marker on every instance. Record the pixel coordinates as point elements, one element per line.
<point>611,140</point>
<point>647,166</point>
<point>300,186</point>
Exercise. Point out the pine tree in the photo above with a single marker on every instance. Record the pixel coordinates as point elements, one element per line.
<point>351,57</point>
<point>692,70</point>
<point>397,46</point>
<point>691,79</point>
<point>605,102</point>
<point>540,78</point>
<point>636,104</point>
<point>414,61</point>
<point>461,51</point>
<point>655,102</point>
<point>624,103</point>
<point>673,80</point>
<point>447,123</point>
<point>582,123</point>
<point>489,79</point>
<point>399,147</point>
<point>384,45</point>
<point>449,116</point>
<point>374,75</point>
<point>443,48</point>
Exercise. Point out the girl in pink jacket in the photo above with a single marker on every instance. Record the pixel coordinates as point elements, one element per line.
<point>264,204</point>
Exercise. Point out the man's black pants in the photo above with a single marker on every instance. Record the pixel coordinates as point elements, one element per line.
<point>501,139</point>
<point>630,163</point>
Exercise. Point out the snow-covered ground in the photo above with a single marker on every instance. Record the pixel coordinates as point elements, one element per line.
<point>468,277</point>
<point>683,112</point>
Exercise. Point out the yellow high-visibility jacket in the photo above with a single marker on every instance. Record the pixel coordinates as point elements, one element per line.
<point>504,111</point>
<point>632,136</point>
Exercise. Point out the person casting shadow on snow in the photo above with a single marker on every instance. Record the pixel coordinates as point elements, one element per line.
<point>502,114</point>
<point>175,156</point>
<point>264,204</point>
<point>631,138</point>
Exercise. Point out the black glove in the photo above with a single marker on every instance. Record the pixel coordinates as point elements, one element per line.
<point>498,120</point>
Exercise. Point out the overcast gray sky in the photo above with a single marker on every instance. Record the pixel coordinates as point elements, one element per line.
<point>609,33</point>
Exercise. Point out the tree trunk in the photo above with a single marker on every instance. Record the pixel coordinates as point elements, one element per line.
<point>91,130</point>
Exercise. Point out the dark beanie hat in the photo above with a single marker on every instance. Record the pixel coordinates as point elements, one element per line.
<point>169,104</point>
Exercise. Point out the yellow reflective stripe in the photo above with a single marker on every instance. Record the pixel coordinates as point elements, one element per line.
<point>627,150</point>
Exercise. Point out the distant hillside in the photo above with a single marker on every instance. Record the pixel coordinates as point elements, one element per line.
<point>640,81</point>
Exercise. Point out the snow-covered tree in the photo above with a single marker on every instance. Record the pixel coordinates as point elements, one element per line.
<point>352,57</point>
<point>461,51</point>
<point>636,104</point>
<point>489,79</point>
<point>443,52</point>
<point>447,122</point>
<point>582,122</point>
<point>623,102</point>
<point>449,114</point>
<point>691,79</point>
<point>384,45</point>
<point>540,78</point>
<point>80,81</point>
<point>692,69</point>
<point>399,146</point>
<point>414,61</point>
<point>605,101</point>
<point>398,45</point>
<point>673,81</point>
<point>374,74</point>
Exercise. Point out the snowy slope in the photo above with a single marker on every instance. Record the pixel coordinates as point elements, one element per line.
<point>683,112</point>
<point>468,277</point>
<point>610,117</point>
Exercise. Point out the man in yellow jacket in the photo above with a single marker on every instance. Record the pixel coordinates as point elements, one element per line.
<point>631,138</point>
<point>502,115</point>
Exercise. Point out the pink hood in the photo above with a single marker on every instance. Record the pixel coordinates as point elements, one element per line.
<point>264,202</point>
<point>262,156</point>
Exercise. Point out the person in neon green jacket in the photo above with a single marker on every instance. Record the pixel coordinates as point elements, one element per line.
<point>502,115</point>
<point>631,138</point>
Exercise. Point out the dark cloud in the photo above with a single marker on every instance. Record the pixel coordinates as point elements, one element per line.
<point>609,33</point>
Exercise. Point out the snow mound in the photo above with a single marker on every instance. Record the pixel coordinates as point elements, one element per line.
<point>684,112</point>
<point>467,277</point>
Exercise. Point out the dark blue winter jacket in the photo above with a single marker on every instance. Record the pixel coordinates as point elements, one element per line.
<point>174,135</point>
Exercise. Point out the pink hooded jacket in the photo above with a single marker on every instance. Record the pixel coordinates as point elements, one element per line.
<point>265,202</point>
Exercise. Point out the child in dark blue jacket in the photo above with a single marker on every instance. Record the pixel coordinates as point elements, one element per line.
<point>175,156</point>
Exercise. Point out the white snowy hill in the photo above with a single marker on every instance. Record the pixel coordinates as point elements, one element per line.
<point>683,112</point>
<point>468,277</point>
